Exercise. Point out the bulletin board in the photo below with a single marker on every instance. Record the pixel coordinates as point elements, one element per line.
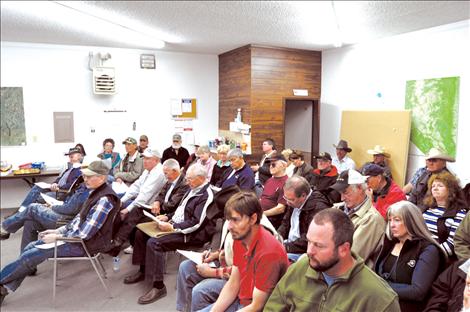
<point>391,129</point>
<point>186,110</point>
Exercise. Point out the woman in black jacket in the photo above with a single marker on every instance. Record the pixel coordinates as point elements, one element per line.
<point>410,258</point>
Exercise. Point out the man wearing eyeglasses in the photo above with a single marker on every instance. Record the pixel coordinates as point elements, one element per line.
<point>185,227</point>
<point>303,204</point>
<point>241,174</point>
<point>436,162</point>
<point>272,198</point>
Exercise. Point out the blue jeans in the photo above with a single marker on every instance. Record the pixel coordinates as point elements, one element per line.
<point>13,274</point>
<point>235,306</point>
<point>194,290</point>
<point>34,196</point>
<point>35,217</point>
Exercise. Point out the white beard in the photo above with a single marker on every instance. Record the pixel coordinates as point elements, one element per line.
<point>175,146</point>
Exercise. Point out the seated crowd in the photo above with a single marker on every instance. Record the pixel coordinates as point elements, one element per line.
<point>284,236</point>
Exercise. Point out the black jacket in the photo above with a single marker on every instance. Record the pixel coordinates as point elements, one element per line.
<point>402,271</point>
<point>102,240</point>
<point>315,203</point>
<point>196,226</point>
<point>176,195</point>
<point>447,290</point>
<point>182,156</point>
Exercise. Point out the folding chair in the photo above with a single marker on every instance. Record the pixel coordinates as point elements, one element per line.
<point>94,259</point>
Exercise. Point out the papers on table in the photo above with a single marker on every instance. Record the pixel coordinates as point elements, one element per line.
<point>195,257</point>
<point>51,200</point>
<point>119,188</point>
<point>50,245</point>
<point>43,185</point>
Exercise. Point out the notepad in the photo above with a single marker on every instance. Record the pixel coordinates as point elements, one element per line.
<point>43,185</point>
<point>51,200</point>
<point>49,245</point>
<point>195,257</point>
<point>120,188</point>
<point>151,229</point>
<point>151,216</point>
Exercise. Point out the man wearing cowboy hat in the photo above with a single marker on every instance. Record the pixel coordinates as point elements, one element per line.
<point>342,162</point>
<point>436,161</point>
<point>379,154</point>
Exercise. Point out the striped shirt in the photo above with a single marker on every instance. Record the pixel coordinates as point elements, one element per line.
<point>94,221</point>
<point>431,216</point>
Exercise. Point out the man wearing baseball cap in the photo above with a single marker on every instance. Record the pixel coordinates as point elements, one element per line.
<point>131,167</point>
<point>436,161</point>
<point>342,161</point>
<point>369,225</point>
<point>272,198</point>
<point>141,192</point>
<point>325,176</point>
<point>176,151</point>
<point>94,225</point>
<point>384,190</point>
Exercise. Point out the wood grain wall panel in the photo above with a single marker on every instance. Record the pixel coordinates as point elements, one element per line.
<point>257,78</point>
<point>274,73</point>
<point>234,86</point>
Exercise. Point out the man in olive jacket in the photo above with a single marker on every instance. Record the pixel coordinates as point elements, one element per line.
<point>331,277</point>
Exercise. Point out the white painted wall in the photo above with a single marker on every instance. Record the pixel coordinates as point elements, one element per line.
<point>57,78</point>
<point>352,77</point>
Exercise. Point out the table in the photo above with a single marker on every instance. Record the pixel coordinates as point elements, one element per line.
<point>30,179</point>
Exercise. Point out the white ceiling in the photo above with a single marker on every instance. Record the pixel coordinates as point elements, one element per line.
<point>217,27</point>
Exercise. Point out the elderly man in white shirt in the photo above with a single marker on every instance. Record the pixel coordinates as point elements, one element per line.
<point>342,162</point>
<point>146,188</point>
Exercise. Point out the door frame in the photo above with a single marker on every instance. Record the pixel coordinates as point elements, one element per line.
<point>315,144</point>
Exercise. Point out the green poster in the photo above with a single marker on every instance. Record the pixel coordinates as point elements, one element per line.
<point>434,104</point>
<point>13,132</point>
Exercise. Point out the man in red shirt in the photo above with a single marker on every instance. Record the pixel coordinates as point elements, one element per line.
<point>383,191</point>
<point>272,199</point>
<point>259,260</point>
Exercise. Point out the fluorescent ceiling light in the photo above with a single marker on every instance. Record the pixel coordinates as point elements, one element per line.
<point>76,20</point>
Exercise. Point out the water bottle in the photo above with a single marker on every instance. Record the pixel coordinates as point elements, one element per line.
<point>116,264</point>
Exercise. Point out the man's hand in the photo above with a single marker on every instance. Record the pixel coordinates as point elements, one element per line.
<point>50,238</point>
<point>118,180</point>
<point>208,256</point>
<point>156,208</point>
<point>162,218</point>
<point>205,270</point>
<point>124,213</point>
<point>54,187</point>
<point>165,227</point>
<point>46,232</point>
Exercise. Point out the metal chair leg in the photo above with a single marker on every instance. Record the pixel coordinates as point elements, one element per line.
<point>54,278</point>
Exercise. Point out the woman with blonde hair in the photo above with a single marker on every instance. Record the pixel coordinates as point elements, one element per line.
<point>446,208</point>
<point>290,165</point>
<point>410,259</point>
<point>222,165</point>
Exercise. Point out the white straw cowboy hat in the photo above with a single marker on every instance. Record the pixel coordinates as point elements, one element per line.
<point>438,154</point>
<point>378,150</point>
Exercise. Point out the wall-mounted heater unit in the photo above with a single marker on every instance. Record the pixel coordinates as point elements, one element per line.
<point>104,80</point>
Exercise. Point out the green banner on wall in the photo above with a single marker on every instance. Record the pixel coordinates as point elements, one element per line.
<point>434,104</point>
